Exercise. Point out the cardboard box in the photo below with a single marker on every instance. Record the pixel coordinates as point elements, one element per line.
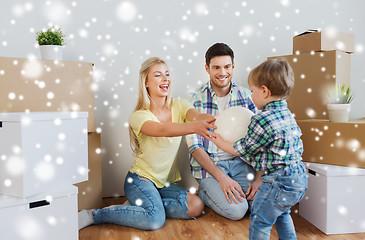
<point>45,85</point>
<point>334,143</point>
<point>313,40</point>
<point>90,192</point>
<point>52,215</point>
<point>314,74</point>
<point>41,151</point>
<point>334,199</point>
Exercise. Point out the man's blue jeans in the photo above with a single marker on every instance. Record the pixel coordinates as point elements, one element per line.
<point>149,205</point>
<point>213,197</point>
<point>281,190</point>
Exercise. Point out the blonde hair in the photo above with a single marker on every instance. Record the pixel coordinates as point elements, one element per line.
<point>276,75</point>
<point>144,98</point>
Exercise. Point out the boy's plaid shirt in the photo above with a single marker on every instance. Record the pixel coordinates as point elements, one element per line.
<point>205,101</point>
<point>272,140</point>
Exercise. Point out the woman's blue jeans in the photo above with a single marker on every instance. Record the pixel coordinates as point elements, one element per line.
<point>281,190</point>
<point>149,205</point>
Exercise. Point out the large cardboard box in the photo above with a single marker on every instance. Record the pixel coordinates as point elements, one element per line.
<point>44,85</point>
<point>41,151</point>
<point>334,143</point>
<point>313,40</point>
<point>334,199</point>
<point>314,73</point>
<point>52,215</point>
<point>90,192</point>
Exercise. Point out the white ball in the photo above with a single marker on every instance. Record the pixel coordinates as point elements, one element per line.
<point>232,123</point>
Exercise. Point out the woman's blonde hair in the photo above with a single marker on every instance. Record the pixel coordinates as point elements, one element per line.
<point>144,98</point>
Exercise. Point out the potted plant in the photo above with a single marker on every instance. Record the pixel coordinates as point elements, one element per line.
<point>51,42</point>
<point>339,107</point>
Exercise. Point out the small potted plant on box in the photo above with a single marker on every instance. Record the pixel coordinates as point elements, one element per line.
<point>51,42</point>
<point>339,107</point>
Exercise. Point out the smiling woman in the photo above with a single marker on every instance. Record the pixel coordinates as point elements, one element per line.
<point>155,128</point>
<point>158,80</point>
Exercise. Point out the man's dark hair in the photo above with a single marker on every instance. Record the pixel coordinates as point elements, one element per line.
<point>218,49</point>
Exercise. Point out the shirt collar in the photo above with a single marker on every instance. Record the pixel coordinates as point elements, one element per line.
<point>211,91</point>
<point>275,105</point>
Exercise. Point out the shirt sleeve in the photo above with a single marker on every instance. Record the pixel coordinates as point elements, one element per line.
<point>184,106</point>
<point>256,139</point>
<point>136,121</point>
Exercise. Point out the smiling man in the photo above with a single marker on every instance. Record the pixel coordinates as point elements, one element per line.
<point>224,179</point>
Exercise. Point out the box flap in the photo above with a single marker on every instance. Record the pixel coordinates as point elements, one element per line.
<point>334,170</point>
<point>307,32</point>
<point>9,201</point>
<point>40,116</point>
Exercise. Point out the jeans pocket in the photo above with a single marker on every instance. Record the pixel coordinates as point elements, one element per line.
<point>287,196</point>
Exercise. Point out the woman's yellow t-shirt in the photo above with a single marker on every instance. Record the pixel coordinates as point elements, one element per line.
<point>157,158</point>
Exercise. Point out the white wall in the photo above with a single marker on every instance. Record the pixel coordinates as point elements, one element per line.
<point>180,32</point>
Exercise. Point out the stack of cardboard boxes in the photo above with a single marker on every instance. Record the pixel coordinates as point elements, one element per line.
<point>319,61</point>
<point>334,152</point>
<point>34,85</point>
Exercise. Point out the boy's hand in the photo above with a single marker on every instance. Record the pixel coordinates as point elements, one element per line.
<point>254,188</point>
<point>217,140</point>
<point>222,144</point>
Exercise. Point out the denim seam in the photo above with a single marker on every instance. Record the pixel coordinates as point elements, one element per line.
<point>153,208</point>
<point>143,212</point>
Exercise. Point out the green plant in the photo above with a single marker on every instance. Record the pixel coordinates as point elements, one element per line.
<point>51,36</point>
<point>340,94</point>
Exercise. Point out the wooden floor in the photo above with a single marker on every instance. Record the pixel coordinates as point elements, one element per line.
<point>208,226</point>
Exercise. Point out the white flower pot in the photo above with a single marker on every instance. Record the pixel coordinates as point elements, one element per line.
<point>338,112</point>
<point>51,52</point>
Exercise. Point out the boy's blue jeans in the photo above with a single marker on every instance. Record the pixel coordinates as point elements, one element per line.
<point>212,195</point>
<point>150,205</point>
<point>281,190</point>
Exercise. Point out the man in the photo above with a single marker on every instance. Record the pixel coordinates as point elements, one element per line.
<point>223,178</point>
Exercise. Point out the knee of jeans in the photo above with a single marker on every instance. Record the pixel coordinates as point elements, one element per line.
<point>156,222</point>
<point>195,205</point>
<point>236,211</point>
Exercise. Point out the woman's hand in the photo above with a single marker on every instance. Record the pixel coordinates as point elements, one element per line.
<point>202,127</point>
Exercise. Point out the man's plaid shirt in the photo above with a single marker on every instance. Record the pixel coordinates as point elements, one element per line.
<point>205,101</point>
<point>272,140</point>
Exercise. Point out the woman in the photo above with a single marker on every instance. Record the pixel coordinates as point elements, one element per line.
<point>156,127</point>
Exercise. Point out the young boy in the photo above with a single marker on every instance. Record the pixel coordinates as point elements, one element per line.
<point>273,147</point>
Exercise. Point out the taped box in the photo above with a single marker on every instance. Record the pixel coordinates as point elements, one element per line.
<point>314,74</point>
<point>91,191</point>
<point>43,85</point>
<point>333,143</point>
<point>314,40</point>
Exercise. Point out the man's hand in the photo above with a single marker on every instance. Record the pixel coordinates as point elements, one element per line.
<point>231,188</point>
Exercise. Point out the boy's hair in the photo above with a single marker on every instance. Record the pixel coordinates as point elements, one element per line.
<point>276,75</point>
<point>218,49</point>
